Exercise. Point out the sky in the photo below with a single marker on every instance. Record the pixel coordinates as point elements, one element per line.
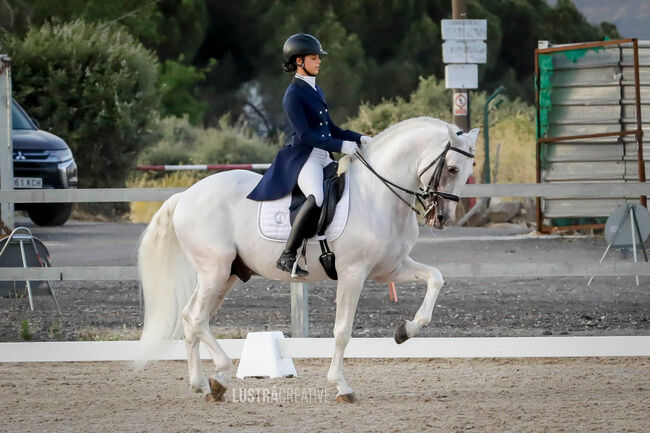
<point>631,17</point>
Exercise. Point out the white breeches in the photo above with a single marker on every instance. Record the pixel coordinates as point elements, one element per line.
<point>310,179</point>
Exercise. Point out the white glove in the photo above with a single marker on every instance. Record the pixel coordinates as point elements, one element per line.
<point>349,147</point>
<point>365,139</point>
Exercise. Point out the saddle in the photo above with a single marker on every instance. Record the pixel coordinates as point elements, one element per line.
<point>333,187</point>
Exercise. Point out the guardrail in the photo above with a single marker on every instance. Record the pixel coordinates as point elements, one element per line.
<point>565,190</point>
<point>449,270</point>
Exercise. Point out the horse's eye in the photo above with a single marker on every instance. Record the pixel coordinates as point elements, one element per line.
<point>452,169</point>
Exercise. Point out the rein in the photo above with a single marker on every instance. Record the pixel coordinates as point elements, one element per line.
<point>422,194</point>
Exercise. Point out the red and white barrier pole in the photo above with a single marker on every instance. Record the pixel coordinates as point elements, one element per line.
<point>203,167</point>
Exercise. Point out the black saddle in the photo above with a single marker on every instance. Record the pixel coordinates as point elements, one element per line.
<point>333,187</point>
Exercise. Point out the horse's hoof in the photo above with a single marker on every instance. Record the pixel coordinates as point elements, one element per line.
<point>217,391</point>
<point>400,332</point>
<point>211,398</point>
<point>346,398</point>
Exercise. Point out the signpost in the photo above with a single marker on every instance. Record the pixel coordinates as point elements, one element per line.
<point>463,49</point>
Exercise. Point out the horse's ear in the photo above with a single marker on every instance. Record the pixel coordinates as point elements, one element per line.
<point>474,134</point>
<point>453,136</point>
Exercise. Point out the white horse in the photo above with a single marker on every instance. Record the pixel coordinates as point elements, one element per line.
<point>187,251</point>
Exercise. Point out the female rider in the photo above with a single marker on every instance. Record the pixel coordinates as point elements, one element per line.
<point>314,137</point>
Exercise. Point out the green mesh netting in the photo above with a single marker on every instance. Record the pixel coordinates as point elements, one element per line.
<point>545,89</point>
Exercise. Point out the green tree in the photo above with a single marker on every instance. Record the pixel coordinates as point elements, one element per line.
<point>94,85</point>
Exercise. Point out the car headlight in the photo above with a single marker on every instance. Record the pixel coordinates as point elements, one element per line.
<point>68,172</point>
<point>62,155</point>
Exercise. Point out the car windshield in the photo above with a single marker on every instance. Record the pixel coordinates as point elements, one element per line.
<point>18,118</point>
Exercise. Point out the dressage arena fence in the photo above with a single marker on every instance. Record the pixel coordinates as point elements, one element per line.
<point>464,347</point>
<point>321,347</point>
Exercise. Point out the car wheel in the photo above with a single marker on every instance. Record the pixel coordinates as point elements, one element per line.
<point>50,214</point>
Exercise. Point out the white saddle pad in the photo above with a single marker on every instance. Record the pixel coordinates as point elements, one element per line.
<point>273,218</point>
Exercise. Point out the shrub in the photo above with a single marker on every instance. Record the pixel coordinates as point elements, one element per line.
<point>93,85</point>
<point>181,142</point>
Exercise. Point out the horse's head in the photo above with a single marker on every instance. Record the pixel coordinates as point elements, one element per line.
<point>447,176</point>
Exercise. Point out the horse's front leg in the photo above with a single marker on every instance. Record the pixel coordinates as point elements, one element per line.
<point>411,270</point>
<point>348,290</point>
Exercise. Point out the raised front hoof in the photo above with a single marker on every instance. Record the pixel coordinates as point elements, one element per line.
<point>346,398</point>
<point>400,332</point>
<point>217,391</point>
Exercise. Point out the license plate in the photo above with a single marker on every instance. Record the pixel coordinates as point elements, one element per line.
<point>28,182</point>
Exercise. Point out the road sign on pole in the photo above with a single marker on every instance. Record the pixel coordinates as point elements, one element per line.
<point>457,51</point>
<point>459,76</point>
<point>460,103</point>
<point>464,29</point>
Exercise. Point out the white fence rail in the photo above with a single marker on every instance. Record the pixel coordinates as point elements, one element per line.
<point>565,190</point>
<point>449,270</point>
<point>464,347</point>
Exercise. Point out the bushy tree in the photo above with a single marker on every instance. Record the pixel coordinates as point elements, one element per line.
<point>95,86</point>
<point>183,143</point>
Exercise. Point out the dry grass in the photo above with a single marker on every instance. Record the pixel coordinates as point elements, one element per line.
<point>142,212</point>
<point>516,163</point>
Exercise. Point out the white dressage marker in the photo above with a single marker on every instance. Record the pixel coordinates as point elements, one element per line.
<point>261,357</point>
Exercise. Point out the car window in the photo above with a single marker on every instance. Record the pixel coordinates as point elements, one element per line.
<point>18,118</point>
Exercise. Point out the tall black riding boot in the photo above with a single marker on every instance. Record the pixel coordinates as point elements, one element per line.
<point>303,226</point>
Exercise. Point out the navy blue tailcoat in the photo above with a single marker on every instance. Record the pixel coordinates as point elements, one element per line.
<point>312,127</point>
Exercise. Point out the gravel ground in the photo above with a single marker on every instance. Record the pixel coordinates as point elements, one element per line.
<point>458,395</point>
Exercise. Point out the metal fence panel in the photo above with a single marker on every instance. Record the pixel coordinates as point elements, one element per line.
<point>588,89</point>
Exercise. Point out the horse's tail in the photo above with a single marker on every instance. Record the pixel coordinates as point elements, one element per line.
<point>168,280</point>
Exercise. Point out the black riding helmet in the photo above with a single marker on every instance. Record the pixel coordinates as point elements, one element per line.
<point>298,45</point>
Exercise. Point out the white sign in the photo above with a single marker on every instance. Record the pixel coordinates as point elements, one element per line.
<point>461,76</point>
<point>460,104</point>
<point>476,51</point>
<point>464,29</point>
<point>455,51</point>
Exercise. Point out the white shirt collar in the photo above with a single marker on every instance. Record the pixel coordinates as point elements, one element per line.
<point>307,79</point>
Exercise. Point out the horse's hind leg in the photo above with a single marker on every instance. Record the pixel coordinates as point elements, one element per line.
<point>411,270</point>
<point>212,287</point>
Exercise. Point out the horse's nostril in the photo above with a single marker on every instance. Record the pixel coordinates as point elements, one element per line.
<point>441,218</point>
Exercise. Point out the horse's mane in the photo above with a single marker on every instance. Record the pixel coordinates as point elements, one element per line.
<point>413,123</point>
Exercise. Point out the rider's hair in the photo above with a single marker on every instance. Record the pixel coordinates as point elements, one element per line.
<point>291,65</point>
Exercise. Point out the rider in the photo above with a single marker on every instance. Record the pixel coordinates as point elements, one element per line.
<point>314,137</point>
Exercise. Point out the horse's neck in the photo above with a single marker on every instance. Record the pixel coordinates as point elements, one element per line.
<point>396,160</point>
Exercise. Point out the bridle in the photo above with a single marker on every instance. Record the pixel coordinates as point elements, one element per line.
<point>430,193</point>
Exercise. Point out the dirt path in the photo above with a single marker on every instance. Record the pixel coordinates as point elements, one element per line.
<point>532,395</point>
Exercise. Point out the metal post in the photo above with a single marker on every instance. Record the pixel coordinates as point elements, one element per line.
<point>538,174</point>
<point>486,132</point>
<point>299,310</point>
<point>28,285</point>
<point>639,123</point>
<point>459,12</point>
<point>6,153</point>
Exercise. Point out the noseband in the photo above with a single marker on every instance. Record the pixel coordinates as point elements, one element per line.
<point>424,194</point>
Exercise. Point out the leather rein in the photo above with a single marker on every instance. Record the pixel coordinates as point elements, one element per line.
<point>428,193</point>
